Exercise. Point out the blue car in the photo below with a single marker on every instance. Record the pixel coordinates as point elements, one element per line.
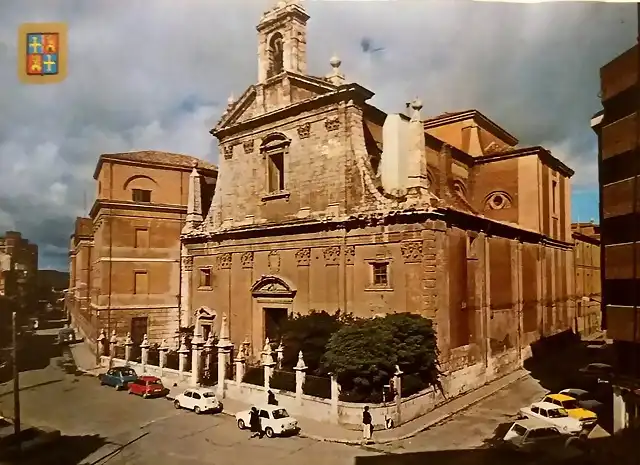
<point>118,377</point>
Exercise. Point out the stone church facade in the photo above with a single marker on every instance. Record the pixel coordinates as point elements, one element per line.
<point>325,202</point>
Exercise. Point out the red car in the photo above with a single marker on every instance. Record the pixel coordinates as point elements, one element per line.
<point>147,386</point>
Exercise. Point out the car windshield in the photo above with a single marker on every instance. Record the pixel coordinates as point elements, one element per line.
<point>570,404</point>
<point>557,413</point>
<point>209,395</point>
<point>280,413</point>
<point>155,381</point>
<point>519,430</point>
<point>128,372</point>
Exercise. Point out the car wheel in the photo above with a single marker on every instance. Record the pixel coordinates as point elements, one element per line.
<point>197,410</point>
<point>119,387</point>
<point>241,424</point>
<point>130,392</point>
<point>145,395</point>
<point>176,404</point>
<point>269,432</point>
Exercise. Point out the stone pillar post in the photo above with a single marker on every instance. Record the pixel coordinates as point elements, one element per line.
<point>102,343</point>
<point>196,348</point>
<point>183,353</point>
<point>112,347</point>
<point>240,361</point>
<point>268,364</point>
<point>620,420</point>
<point>224,349</point>
<point>397,388</point>
<point>163,349</point>
<point>128,344</point>
<point>335,395</point>
<point>301,373</point>
<point>279,355</point>
<point>208,351</point>
<point>144,357</point>
<point>246,348</point>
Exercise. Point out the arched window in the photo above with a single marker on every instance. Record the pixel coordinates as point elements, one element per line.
<point>276,55</point>
<point>140,187</point>
<point>497,200</point>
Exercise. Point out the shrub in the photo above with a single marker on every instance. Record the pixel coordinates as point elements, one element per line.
<point>363,355</point>
<point>317,386</point>
<point>255,376</point>
<point>310,334</point>
<point>283,380</point>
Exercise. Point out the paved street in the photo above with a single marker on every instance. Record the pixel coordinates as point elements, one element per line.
<point>97,421</point>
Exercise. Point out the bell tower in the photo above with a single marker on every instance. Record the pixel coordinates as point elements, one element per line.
<point>282,40</point>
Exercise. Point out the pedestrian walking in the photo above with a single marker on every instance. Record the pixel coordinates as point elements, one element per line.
<point>254,423</point>
<point>367,425</point>
<point>271,398</point>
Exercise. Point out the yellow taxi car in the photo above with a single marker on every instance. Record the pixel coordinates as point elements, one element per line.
<point>586,417</point>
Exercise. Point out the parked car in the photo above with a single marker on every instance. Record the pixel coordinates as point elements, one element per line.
<point>602,372</point>
<point>585,399</point>
<point>536,436</point>
<point>118,377</point>
<point>554,415</point>
<point>200,400</point>
<point>147,386</point>
<point>587,417</point>
<point>274,420</point>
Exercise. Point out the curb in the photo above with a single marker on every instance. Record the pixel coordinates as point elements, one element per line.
<point>424,427</point>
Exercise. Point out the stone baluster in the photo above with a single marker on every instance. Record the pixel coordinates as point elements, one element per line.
<point>240,364</point>
<point>335,396</point>
<point>224,350</point>
<point>246,349</point>
<point>301,373</point>
<point>196,348</point>
<point>128,345</point>
<point>102,343</point>
<point>144,356</point>
<point>163,349</point>
<point>279,355</point>
<point>112,347</point>
<point>183,353</point>
<point>397,388</point>
<point>267,363</point>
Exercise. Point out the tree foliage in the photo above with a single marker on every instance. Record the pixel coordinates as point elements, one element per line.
<point>363,354</point>
<point>310,334</point>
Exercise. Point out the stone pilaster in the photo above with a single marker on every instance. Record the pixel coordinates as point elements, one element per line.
<point>185,288</point>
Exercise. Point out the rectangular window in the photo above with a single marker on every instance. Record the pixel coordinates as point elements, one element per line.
<point>141,195</point>
<point>141,238</point>
<point>140,282</point>
<point>380,274</point>
<point>554,188</point>
<point>276,172</point>
<point>274,319</point>
<point>205,277</point>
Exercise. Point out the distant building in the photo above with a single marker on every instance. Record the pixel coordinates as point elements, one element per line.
<point>618,127</point>
<point>19,271</point>
<point>586,254</point>
<point>125,258</point>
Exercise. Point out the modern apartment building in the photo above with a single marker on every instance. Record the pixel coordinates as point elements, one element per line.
<point>617,127</point>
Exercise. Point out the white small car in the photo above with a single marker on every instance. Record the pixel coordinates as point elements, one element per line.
<point>200,400</point>
<point>554,415</point>
<point>274,420</point>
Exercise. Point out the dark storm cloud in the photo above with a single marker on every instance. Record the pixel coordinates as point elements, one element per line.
<point>165,67</point>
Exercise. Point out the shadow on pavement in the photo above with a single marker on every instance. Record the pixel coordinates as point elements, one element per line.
<point>34,353</point>
<point>619,450</point>
<point>68,450</point>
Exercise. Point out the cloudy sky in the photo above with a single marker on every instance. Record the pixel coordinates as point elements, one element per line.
<point>156,75</point>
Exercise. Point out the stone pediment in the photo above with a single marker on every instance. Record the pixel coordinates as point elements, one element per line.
<point>272,286</point>
<point>299,87</point>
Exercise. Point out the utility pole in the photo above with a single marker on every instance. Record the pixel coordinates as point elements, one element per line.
<point>16,376</point>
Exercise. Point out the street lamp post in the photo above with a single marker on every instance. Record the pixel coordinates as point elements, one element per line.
<point>16,377</point>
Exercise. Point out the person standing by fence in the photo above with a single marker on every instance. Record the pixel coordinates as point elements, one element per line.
<point>367,425</point>
<point>254,423</point>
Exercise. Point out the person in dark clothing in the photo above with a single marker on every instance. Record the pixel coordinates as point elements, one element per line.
<point>271,398</point>
<point>254,423</point>
<point>367,425</point>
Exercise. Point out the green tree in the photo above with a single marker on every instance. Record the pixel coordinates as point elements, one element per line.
<point>310,334</point>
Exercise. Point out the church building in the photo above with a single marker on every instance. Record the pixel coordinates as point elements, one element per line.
<point>325,202</point>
